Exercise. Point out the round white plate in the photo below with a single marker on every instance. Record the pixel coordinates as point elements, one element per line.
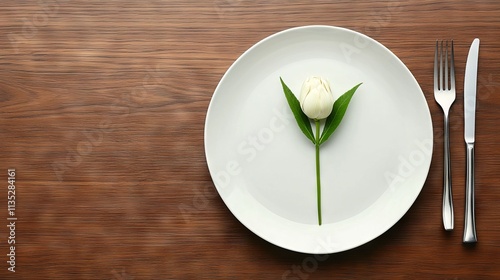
<point>372,168</point>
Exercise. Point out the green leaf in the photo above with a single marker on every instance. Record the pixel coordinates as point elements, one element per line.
<point>338,112</point>
<point>301,118</point>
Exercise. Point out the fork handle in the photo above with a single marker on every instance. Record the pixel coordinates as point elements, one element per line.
<point>470,219</point>
<point>448,219</point>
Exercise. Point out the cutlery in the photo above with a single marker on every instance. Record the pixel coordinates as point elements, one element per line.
<point>470,87</point>
<point>444,94</point>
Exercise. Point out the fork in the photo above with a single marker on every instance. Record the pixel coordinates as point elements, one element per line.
<point>444,93</point>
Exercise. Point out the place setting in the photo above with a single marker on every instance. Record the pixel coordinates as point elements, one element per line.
<point>319,139</point>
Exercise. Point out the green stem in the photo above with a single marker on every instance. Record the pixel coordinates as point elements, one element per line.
<point>318,178</point>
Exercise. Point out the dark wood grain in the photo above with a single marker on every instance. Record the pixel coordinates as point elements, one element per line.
<point>102,109</point>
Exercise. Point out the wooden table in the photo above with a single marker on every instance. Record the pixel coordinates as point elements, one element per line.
<point>102,109</point>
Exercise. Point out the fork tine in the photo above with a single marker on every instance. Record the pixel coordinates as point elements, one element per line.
<point>446,68</point>
<point>436,73</point>
<point>452,67</point>
<point>441,66</point>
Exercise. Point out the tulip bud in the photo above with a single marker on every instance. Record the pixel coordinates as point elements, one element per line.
<point>316,98</point>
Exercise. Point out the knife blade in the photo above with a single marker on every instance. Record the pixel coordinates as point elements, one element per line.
<point>470,89</point>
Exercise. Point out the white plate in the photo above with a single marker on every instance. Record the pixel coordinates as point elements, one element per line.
<point>373,167</point>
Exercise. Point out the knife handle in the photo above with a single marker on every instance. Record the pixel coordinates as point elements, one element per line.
<point>470,219</point>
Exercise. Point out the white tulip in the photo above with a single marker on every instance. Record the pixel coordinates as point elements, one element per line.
<point>316,98</point>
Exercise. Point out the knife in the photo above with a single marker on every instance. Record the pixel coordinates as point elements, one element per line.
<point>470,87</point>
